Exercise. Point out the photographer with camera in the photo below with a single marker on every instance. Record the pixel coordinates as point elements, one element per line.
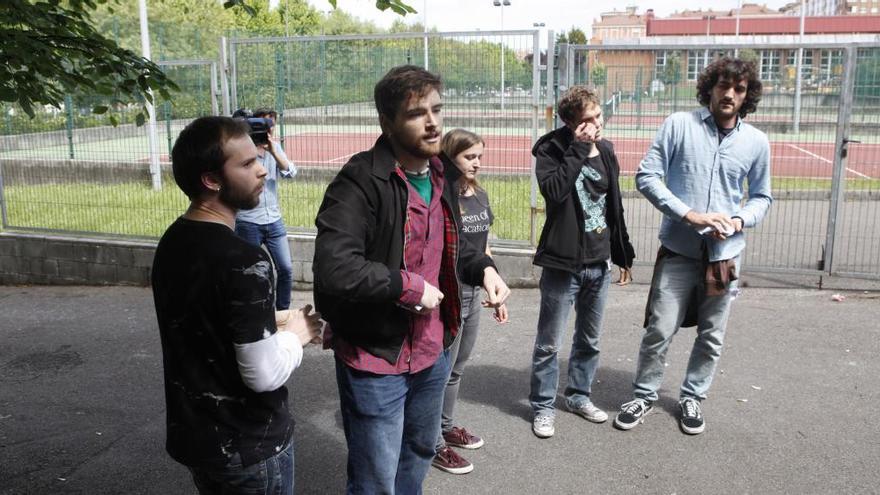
<point>263,224</point>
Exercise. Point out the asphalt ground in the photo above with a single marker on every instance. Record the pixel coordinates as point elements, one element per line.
<point>791,409</point>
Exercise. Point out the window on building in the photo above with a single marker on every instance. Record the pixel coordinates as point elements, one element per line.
<point>659,63</point>
<point>830,64</point>
<point>806,62</point>
<point>697,60</point>
<point>770,65</point>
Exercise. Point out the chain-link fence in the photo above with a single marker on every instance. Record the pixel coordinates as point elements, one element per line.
<point>826,201</point>
<point>323,90</point>
<point>69,170</point>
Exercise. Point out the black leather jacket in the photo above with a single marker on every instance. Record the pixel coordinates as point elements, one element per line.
<point>359,254</point>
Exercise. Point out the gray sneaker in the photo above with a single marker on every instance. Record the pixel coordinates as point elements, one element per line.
<point>589,412</point>
<point>542,425</point>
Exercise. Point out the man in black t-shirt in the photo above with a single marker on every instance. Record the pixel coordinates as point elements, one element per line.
<point>584,233</point>
<point>225,359</point>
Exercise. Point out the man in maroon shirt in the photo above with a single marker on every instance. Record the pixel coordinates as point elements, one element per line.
<point>387,264</point>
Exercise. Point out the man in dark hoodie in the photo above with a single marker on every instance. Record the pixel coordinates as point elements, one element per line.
<point>583,234</point>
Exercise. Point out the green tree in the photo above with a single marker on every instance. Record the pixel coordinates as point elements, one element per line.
<point>598,74</point>
<point>748,55</point>
<point>49,49</point>
<point>293,18</point>
<point>672,69</point>
<point>576,36</point>
<point>341,22</point>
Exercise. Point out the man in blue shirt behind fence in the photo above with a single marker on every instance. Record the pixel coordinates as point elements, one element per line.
<point>694,173</point>
<point>263,224</point>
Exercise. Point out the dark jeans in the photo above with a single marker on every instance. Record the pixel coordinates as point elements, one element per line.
<point>459,354</point>
<point>274,236</point>
<point>272,476</point>
<point>391,425</point>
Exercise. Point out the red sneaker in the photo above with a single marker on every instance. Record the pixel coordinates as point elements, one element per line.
<point>448,460</point>
<point>459,437</point>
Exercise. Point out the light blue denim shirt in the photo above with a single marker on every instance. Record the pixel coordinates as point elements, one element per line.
<point>268,211</point>
<point>687,169</point>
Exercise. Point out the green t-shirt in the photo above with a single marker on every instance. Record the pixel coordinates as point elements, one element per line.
<point>422,184</point>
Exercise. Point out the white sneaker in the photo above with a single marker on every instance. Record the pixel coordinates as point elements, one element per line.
<point>542,425</point>
<point>589,412</point>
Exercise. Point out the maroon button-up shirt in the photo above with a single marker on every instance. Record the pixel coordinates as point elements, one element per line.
<point>424,239</point>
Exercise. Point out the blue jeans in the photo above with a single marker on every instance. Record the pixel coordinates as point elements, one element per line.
<point>587,291</point>
<point>459,353</point>
<point>677,282</point>
<point>274,236</point>
<point>391,425</point>
<point>273,476</point>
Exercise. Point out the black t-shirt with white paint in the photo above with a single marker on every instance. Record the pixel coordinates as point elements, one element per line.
<point>213,290</point>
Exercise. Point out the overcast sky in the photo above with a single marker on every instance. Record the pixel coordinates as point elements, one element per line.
<point>559,15</point>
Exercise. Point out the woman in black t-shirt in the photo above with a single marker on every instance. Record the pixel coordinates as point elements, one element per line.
<point>465,149</point>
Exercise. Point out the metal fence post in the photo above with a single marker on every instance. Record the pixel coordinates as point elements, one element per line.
<point>7,117</point>
<point>838,177</point>
<point>166,107</point>
<point>224,77</point>
<point>68,105</point>
<point>565,66</point>
<point>280,87</point>
<point>536,110</point>
<point>638,96</point>
<point>3,214</point>
<point>550,90</point>
<point>233,77</point>
<point>214,90</point>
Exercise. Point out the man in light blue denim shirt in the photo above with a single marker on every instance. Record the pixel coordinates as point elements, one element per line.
<point>263,224</point>
<point>695,173</point>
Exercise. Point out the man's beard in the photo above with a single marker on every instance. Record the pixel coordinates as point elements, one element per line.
<point>723,111</point>
<point>236,198</point>
<point>419,148</point>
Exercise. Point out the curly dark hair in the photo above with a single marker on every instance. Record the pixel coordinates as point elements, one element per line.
<point>734,69</point>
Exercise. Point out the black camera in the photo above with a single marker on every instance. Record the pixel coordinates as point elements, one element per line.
<point>259,129</point>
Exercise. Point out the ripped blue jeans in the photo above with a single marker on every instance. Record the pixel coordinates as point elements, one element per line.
<point>586,290</point>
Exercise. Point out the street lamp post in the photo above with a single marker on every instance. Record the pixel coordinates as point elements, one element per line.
<point>502,3</point>
<point>538,26</point>
<point>425,28</point>
<point>708,19</point>
<point>738,12</point>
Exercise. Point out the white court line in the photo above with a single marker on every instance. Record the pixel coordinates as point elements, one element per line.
<point>798,148</point>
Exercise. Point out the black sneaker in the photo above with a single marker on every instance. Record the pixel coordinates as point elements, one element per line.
<point>691,419</point>
<point>632,413</point>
